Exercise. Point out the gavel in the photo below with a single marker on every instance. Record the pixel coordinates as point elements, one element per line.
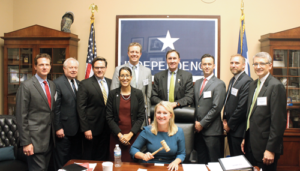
<point>164,146</point>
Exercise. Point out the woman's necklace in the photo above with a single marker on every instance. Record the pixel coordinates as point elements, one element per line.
<point>125,97</point>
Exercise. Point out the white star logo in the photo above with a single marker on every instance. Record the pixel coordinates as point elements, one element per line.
<point>168,41</point>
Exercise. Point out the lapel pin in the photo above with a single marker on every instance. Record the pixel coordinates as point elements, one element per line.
<point>178,80</point>
<point>117,95</point>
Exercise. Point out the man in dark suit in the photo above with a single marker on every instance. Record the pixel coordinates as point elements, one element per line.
<point>91,103</point>
<point>68,134</point>
<point>235,107</point>
<point>266,116</point>
<point>173,85</point>
<point>34,113</point>
<point>209,98</point>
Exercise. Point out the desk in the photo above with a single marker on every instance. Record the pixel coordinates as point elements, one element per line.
<point>126,166</point>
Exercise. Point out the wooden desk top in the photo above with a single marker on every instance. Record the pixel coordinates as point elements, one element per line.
<point>127,166</point>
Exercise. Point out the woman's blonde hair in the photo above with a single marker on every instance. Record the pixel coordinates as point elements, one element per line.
<point>172,127</point>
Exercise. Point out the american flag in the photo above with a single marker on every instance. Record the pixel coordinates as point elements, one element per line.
<point>92,52</point>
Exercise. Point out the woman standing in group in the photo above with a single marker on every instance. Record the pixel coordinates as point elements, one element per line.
<point>162,128</point>
<point>124,114</point>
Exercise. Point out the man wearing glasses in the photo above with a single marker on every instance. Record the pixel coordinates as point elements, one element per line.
<point>266,116</point>
<point>91,103</point>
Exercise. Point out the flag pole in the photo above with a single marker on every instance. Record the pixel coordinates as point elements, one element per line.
<point>93,8</point>
<point>242,25</point>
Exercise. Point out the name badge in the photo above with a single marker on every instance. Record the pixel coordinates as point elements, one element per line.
<point>207,94</point>
<point>234,91</point>
<point>261,101</point>
<point>145,82</point>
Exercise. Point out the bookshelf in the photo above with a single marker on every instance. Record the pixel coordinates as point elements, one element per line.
<point>284,48</point>
<point>20,48</point>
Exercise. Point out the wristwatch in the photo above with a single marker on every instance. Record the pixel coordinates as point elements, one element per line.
<point>177,104</point>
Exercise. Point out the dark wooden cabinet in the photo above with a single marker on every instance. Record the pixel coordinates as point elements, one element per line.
<point>284,47</point>
<point>20,48</point>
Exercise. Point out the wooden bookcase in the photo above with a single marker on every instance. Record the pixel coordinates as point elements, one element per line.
<point>284,47</point>
<point>20,48</point>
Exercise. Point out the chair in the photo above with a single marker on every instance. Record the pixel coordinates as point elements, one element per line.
<point>184,118</point>
<point>9,136</point>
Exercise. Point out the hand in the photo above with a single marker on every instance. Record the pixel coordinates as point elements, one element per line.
<point>148,156</point>
<point>173,104</point>
<point>28,150</point>
<point>268,157</point>
<point>226,127</point>
<point>149,120</point>
<point>126,138</point>
<point>242,146</point>
<point>198,126</point>
<point>88,135</point>
<point>60,133</point>
<point>173,166</point>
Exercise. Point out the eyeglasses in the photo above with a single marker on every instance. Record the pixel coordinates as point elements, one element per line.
<point>97,68</point>
<point>260,64</point>
<point>125,76</point>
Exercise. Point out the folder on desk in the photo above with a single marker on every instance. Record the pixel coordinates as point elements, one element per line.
<point>74,167</point>
<point>236,163</point>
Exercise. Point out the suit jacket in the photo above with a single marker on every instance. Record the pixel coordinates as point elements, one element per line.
<point>184,94</point>
<point>144,76</point>
<point>137,110</point>
<point>66,116</point>
<point>236,106</point>
<point>267,122</point>
<point>34,116</point>
<point>208,110</point>
<point>91,106</point>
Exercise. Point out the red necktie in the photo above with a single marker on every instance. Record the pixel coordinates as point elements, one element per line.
<point>203,85</point>
<point>48,93</point>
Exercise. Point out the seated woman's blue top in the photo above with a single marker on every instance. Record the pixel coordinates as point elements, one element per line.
<point>152,142</point>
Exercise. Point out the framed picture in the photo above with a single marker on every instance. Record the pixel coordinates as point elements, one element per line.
<point>139,40</point>
<point>191,35</point>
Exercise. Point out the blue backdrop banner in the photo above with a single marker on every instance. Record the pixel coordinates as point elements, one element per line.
<point>191,37</point>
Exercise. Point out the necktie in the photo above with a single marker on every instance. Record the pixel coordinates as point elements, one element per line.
<point>73,86</point>
<point>133,77</point>
<point>253,102</point>
<point>104,92</point>
<point>171,89</point>
<point>203,85</point>
<point>47,93</point>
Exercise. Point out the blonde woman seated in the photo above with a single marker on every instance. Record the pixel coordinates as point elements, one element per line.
<point>162,128</point>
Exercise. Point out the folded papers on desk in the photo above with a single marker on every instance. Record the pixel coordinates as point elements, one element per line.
<point>79,167</point>
<point>214,166</point>
<point>236,163</point>
<point>188,167</point>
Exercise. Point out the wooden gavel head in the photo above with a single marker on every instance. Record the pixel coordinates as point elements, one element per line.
<point>165,145</point>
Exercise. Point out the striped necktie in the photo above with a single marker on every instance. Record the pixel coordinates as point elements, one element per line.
<point>171,89</point>
<point>103,92</point>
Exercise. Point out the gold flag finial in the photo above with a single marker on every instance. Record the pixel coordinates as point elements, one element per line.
<point>94,8</point>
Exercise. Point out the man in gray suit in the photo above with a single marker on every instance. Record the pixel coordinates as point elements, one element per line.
<point>34,113</point>
<point>173,84</point>
<point>141,76</point>
<point>209,98</point>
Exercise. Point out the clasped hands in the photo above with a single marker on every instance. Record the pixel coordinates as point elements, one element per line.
<point>28,150</point>
<point>125,138</point>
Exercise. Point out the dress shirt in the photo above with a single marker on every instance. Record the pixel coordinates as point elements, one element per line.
<point>262,81</point>
<point>137,67</point>
<point>41,81</point>
<point>169,79</point>
<point>104,83</point>
<point>76,86</point>
<point>207,79</point>
<point>236,77</point>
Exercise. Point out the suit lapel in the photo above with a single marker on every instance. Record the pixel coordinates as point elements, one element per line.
<point>140,79</point>
<point>41,91</point>
<point>67,84</point>
<point>208,84</point>
<point>53,91</point>
<point>165,84</point>
<point>198,84</point>
<point>97,87</point>
<point>177,82</point>
<point>132,101</point>
<point>261,92</point>
<point>118,94</point>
